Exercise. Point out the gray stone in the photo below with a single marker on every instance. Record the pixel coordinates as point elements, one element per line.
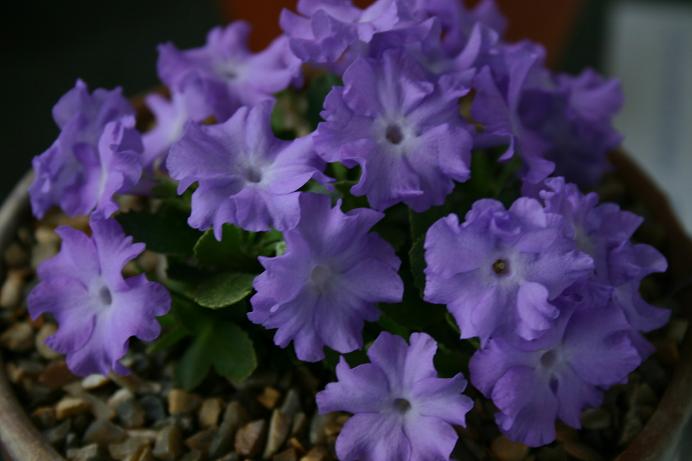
<point>234,416</point>
<point>104,433</point>
<point>596,419</point>
<point>88,453</point>
<point>153,407</point>
<point>130,414</point>
<point>279,427</point>
<point>11,291</point>
<point>168,445</point>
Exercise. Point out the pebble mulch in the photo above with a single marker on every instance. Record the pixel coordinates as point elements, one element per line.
<point>142,417</point>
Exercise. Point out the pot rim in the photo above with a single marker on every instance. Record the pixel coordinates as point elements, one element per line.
<point>658,440</point>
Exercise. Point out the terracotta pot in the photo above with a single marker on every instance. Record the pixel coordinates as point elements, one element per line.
<point>658,441</point>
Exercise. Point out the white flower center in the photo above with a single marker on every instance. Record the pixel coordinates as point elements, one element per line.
<point>401,405</point>
<point>321,275</point>
<point>394,134</point>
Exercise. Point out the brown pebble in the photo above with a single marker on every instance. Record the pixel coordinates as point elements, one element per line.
<point>318,453</point>
<point>48,329</point>
<point>11,291</point>
<point>192,455</point>
<point>56,375</point>
<point>596,418</point>
<point>294,443</point>
<point>168,443</point>
<point>131,414</point>
<point>201,441</point>
<point>564,433</point>
<point>181,402</point>
<point>135,384</point>
<point>249,438</point>
<point>269,398</point>
<point>209,412</point>
<point>300,423</point>
<point>279,427</point>
<point>104,433</point>
<point>120,396</point>
<point>130,448</point>
<point>18,338</point>
<point>44,416</point>
<point>234,416</point>
<point>16,256</point>
<point>507,450</point>
<point>71,406</point>
<point>57,434</point>
<point>287,455</point>
<point>145,455</point>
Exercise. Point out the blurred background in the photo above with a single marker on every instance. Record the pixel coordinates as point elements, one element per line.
<point>47,45</point>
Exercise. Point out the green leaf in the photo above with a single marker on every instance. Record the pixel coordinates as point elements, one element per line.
<point>217,290</point>
<point>233,352</point>
<point>221,345</point>
<point>193,367</point>
<point>170,338</point>
<point>416,256</point>
<point>165,231</point>
<point>224,253</point>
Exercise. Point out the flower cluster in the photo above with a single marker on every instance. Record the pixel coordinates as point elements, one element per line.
<point>545,285</point>
<point>549,284</point>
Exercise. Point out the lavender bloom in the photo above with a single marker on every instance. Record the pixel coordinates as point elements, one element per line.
<point>401,128</point>
<point>603,231</point>
<point>334,32</point>
<point>60,173</point>
<point>458,21</point>
<point>97,310</point>
<point>501,100</point>
<point>328,282</point>
<point>402,411</point>
<point>535,383</point>
<point>578,125</point>
<point>187,104</point>
<point>502,269</point>
<point>246,176</point>
<point>230,76</point>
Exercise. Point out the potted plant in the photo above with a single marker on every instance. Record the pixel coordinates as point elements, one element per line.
<point>306,252</point>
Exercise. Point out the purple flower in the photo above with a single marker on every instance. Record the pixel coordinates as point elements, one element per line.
<point>458,21</point>
<point>61,171</point>
<point>503,96</point>
<point>603,231</point>
<point>535,383</point>
<point>97,310</point>
<point>328,282</point>
<point>229,74</point>
<point>402,411</point>
<point>334,32</point>
<point>501,269</point>
<point>577,125</point>
<point>401,128</point>
<point>187,104</point>
<point>246,176</point>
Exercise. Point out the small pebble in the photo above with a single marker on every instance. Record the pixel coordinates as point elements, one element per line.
<point>93,382</point>
<point>11,291</point>
<point>48,329</point>
<point>16,256</point>
<point>44,417</point>
<point>71,406</point>
<point>88,453</point>
<point>234,416</point>
<point>201,441</point>
<point>507,450</point>
<point>269,397</point>
<point>249,438</point>
<point>104,433</point>
<point>287,455</point>
<point>19,337</point>
<point>317,453</point>
<point>153,407</point>
<point>279,427</point>
<point>181,402</point>
<point>128,449</point>
<point>56,375</point>
<point>209,412</point>
<point>168,445</point>
<point>131,414</point>
<point>119,397</point>
<point>58,433</point>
